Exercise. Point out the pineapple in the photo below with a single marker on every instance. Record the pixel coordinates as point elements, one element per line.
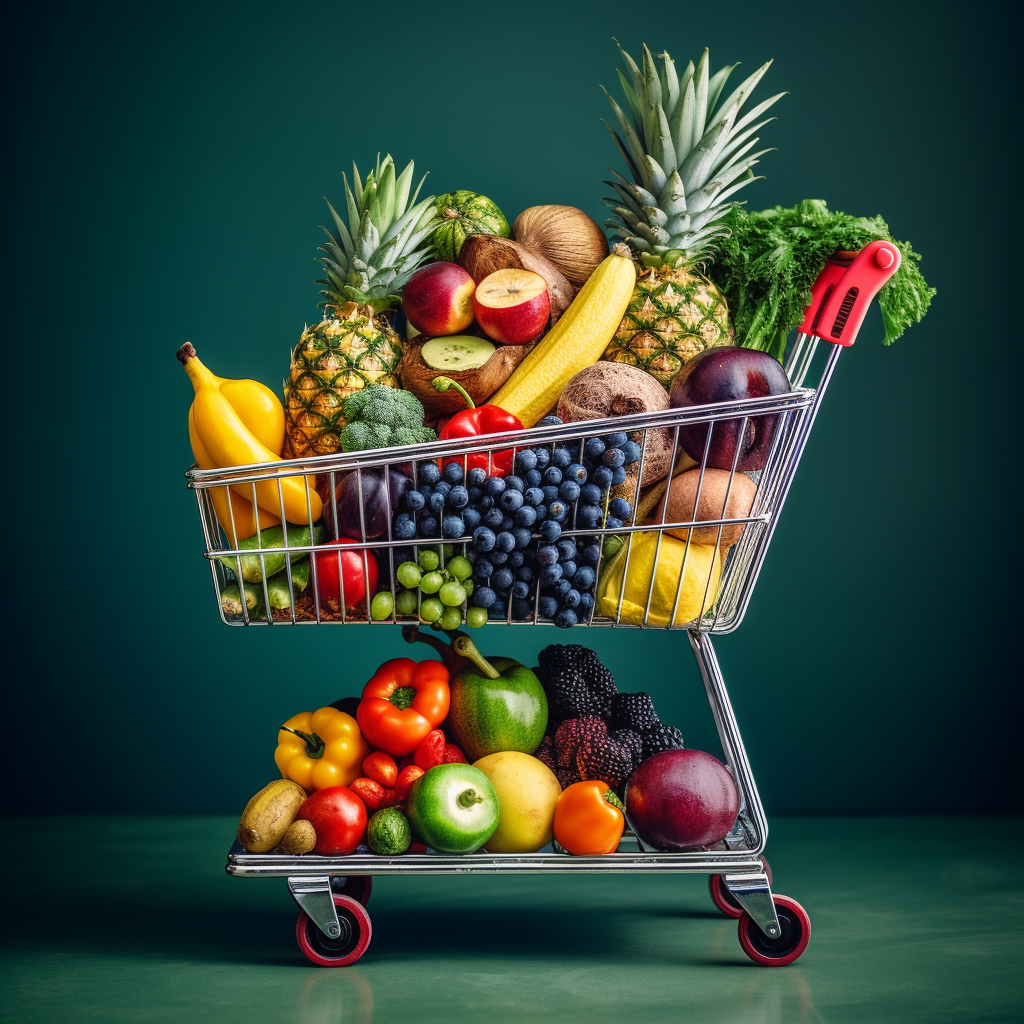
<point>687,155</point>
<point>387,236</point>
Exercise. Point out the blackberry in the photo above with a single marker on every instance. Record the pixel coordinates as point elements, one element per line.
<point>665,737</point>
<point>632,741</point>
<point>577,683</point>
<point>634,711</point>
<point>545,753</point>
<point>573,732</point>
<point>601,757</point>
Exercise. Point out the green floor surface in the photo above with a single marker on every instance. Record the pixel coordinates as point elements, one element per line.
<point>129,919</point>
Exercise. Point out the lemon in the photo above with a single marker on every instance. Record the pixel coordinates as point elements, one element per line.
<point>698,589</point>
<point>527,793</point>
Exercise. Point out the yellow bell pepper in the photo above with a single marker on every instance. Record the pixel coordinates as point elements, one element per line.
<point>318,749</point>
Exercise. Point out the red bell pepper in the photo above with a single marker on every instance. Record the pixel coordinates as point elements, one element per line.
<point>475,421</point>
<point>402,703</point>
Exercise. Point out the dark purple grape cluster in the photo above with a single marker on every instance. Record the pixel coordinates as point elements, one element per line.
<point>522,561</point>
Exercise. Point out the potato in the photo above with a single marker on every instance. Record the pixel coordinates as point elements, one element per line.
<point>268,814</point>
<point>712,505</point>
<point>300,838</point>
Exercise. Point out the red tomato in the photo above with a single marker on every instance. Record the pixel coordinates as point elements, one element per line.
<point>353,571</point>
<point>338,817</point>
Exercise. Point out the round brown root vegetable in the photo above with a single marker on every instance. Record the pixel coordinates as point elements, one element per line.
<point>566,236</point>
<point>481,382</point>
<point>300,838</point>
<point>482,255</point>
<point>268,814</point>
<point>712,504</point>
<point>617,389</point>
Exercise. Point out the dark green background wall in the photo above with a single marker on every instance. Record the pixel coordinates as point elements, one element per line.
<point>167,167</point>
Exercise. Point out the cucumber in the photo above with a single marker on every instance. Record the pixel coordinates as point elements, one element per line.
<point>231,601</point>
<point>278,593</point>
<point>388,833</point>
<point>456,353</point>
<point>272,537</point>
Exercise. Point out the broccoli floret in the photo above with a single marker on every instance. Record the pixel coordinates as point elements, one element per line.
<point>379,416</point>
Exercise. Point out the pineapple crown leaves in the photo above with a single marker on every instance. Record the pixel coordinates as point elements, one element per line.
<point>373,252</point>
<point>687,152</point>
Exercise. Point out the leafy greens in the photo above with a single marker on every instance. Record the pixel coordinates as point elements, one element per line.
<point>770,260</point>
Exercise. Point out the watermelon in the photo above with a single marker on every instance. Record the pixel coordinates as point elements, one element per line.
<point>465,213</point>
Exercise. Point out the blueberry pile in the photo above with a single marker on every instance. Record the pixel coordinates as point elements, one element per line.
<point>521,560</point>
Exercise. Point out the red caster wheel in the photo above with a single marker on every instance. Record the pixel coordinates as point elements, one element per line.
<point>789,946</point>
<point>724,900</point>
<point>358,887</point>
<point>350,944</point>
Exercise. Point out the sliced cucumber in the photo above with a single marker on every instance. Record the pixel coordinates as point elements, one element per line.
<point>457,352</point>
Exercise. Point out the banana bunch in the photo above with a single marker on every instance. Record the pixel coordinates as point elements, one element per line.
<point>238,423</point>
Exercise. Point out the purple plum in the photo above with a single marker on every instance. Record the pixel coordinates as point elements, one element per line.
<point>721,375</point>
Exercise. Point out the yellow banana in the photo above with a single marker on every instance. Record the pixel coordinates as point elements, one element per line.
<point>228,441</point>
<point>230,507</point>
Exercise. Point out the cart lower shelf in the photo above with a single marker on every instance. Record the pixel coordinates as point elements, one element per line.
<point>334,927</point>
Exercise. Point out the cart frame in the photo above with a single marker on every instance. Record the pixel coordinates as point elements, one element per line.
<point>840,298</point>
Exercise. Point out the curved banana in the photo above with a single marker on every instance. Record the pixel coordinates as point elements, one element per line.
<point>229,442</point>
<point>230,508</point>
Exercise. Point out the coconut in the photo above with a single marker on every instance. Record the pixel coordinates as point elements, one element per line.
<point>618,389</point>
<point>566,236</point>
<point>481,381</point>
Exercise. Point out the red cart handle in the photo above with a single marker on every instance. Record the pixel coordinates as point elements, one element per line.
<point>844,290</point>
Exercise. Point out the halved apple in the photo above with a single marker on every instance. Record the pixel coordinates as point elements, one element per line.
<point>512,306</point>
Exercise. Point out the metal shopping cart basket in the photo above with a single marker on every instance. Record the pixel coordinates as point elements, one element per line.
<point>334,927</point>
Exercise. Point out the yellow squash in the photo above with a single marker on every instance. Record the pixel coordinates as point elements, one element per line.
<point>577,341</point>
<point>224,435</point>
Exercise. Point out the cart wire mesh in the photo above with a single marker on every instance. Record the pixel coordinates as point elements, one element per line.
<point>680,564</point>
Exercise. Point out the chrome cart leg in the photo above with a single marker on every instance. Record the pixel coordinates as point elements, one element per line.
<point>753,893</point>
<point>314,896</point>
<point>751,818</point>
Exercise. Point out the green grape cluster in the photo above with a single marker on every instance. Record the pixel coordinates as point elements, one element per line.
<point>444,580</point>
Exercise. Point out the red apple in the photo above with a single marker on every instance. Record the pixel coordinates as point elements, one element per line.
<point>512,306</point>
<point>338,818</point>
<point>438,299</point>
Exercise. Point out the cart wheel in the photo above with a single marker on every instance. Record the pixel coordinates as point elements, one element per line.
<point>350,944</point>
<point>724,900</point>
<point>358,887</point>
<point>789,946</point>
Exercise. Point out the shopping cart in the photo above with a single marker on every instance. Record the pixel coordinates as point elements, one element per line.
<point>333,927</point>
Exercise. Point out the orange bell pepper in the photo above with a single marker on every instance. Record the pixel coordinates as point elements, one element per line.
<point>403,702</point>
<point>589,818</point>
